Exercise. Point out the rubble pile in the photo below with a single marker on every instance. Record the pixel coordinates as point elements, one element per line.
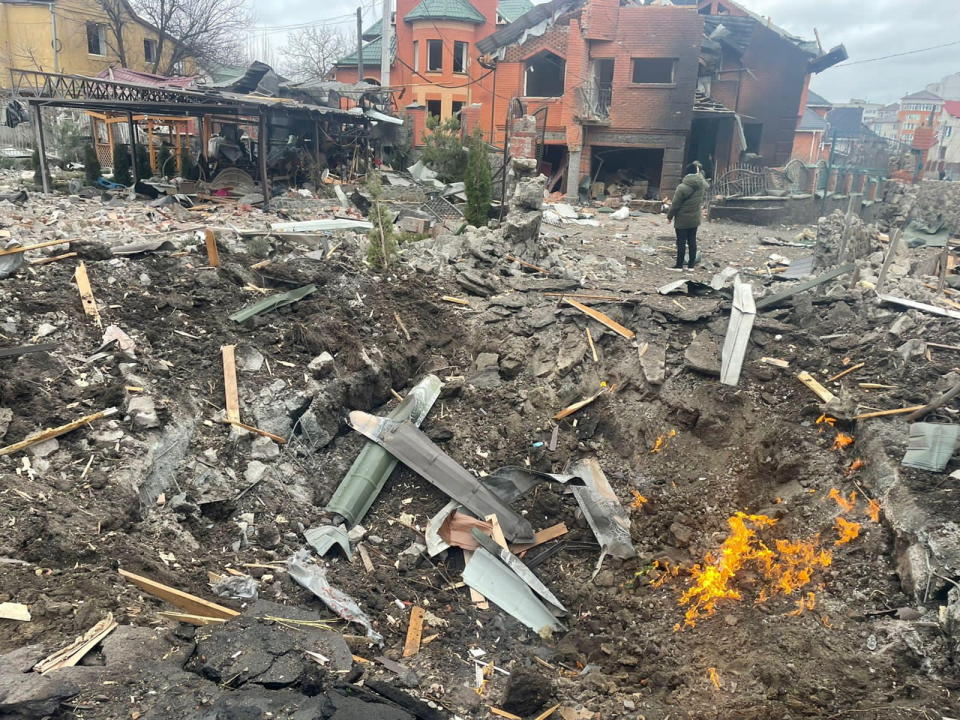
<point>502,475</point>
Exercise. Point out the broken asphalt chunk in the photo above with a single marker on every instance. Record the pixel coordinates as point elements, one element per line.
<point>415,450</point>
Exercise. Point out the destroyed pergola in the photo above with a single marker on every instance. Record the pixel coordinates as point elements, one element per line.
<point>41,89</point>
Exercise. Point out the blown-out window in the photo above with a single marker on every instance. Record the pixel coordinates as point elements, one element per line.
<point>544,75</point>
<point>655,71</point>
<point>435,55</point>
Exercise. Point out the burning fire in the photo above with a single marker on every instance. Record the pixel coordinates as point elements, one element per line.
<point>826,420</point>
<point>788,567</point>
<point>805,603</point>
<point>847,530</point>
<point>846,505</point>
<point>714,677</point>
<point>638,500</point>
<point>854,467</point>
<point>842,440</point>
<point>661,442</point>
<point>873,511</point>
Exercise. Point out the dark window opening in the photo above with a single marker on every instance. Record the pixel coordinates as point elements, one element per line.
<point>460,56</point>
<point>625,169</point>
<point>149,50</point>
<point>435,55</point>
<point>433,108</point>
<point>95,39</point>
<point>545,75</point>
<point>753,132</point>
<point>604,78</point>
<point>658,71</point>
<point>457,106</point>
<point>371,81</point>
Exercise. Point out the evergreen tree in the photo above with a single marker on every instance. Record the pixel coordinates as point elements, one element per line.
<point>479,180</point>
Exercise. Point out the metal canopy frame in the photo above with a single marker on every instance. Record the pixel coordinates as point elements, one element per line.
<point>41,89</point>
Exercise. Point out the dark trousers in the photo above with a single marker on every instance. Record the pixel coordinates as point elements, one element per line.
<point>686,238</point>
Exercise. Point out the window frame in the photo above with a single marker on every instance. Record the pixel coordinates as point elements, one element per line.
<point>527,73</point>
<point>463,56</point>
<point>101,31</point>
<point>150,42</point>
<point>646,83</point>
<point>416,56</point>
<point>431,43</point>
<point>439,105</point>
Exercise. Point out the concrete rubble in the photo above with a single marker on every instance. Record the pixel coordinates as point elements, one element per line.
<point>597,454</point>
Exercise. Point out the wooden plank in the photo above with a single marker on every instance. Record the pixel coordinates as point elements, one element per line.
<point>525,264</point>
<point>766,302</point>
<point>583,296</point>
<point>548,712</point>
<point>86,293</point>
<point>905,302</point>
<point>496,532</point>
<point>571,409</point>
<point>550,533</point>
<point>75,651</point>
<point>365,557</point>
<point>876,386</point>
<point>16,250</point>
<point>776,362</point>
<point>414,632</point>
<point>198,620</point>
<point>185,601</point>
<point>601,318</point>
<point>230,391</point>
<point>56,432</point>
<point>504,714</point>
<point>55,258</point>
<point>250,428</point>
<point>852,368</point>
<point>593,348</point>
<point>820,391</point>
<point>213,254</point>
<point>27,349</point>
<point>885,413</point>
<point>888,260</point>
<point>455,300</point>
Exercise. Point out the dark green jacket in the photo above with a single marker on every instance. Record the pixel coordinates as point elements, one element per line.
<point>688,201</point>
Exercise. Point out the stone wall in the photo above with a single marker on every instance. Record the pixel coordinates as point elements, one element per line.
<point>927,202</point>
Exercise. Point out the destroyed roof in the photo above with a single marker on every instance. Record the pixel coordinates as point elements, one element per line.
<point>952,107</point>
<point>515,31</point>
<point>811,122</point>
<point>739,30</point>
<point>809,46</point>
<point>814,100</point>
<point>460,10</point>
<point>126,75</point>
<point>510,10</point>
<point>371,53</point>
<point>922,95</point>
<point>846,122</point>
<point>258,77</point>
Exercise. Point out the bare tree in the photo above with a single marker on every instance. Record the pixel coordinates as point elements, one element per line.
<point>206,30</point>
<point>118,15</point>
<point>310,53</point>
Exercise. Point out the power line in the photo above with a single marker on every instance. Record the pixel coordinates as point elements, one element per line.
<point>895,55</point>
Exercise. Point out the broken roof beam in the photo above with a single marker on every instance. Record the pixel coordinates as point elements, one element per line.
<point>778,298</point>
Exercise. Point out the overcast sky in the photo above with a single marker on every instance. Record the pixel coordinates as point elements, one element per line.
<point>868,30</point>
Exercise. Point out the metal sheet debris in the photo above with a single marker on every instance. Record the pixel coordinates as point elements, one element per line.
<point>742,316</point>
<point>779,297</point>
<point>369,472</point>
<point>143,246</point>
<point>931,445</point>
<point>330,224</point>
<point>522,571</point>
<point>272,303</point>
<point>324,537</point>
<point>606,516</point>
<point>501,586</point>
<point>415,450</point>
<point>314,578</point>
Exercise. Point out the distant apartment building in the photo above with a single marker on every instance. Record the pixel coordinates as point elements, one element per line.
<point>870,110</point>
<point>945,155</point>
<point>886,123</point>
<point>918,110</point>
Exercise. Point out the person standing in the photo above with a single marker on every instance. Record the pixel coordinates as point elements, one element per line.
<point>686,212</point>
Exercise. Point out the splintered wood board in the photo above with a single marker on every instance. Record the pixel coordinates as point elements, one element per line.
<point>602,319</point>
<point>230,391</point>
<point>414,632</point>
<point>86,293</point>
<point>185,601</point>
<point>819,390</point>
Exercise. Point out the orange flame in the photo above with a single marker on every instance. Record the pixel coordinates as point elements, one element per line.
<point>847,530</point>
<point>661,442</point>
<point>714,677</point>
<point>846,505</point>
<point>807,603</point>
<point>826,420</point>
<point>873,510</point>
<point>638,500</point>
<point>842,440</point>
<point>854,467</point>
<point>788,567</point>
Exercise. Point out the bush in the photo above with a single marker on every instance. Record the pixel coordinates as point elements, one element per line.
<point>121,165</point>
<point>443,149</point>
<point>479,181</point>
<point>383,238</point>
<point>91,165</point>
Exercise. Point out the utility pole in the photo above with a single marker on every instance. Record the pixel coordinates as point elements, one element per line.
<point>386,43</point>
<point>359,45</point>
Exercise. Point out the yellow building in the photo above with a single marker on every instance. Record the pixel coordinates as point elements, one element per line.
<point>77,37</point>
